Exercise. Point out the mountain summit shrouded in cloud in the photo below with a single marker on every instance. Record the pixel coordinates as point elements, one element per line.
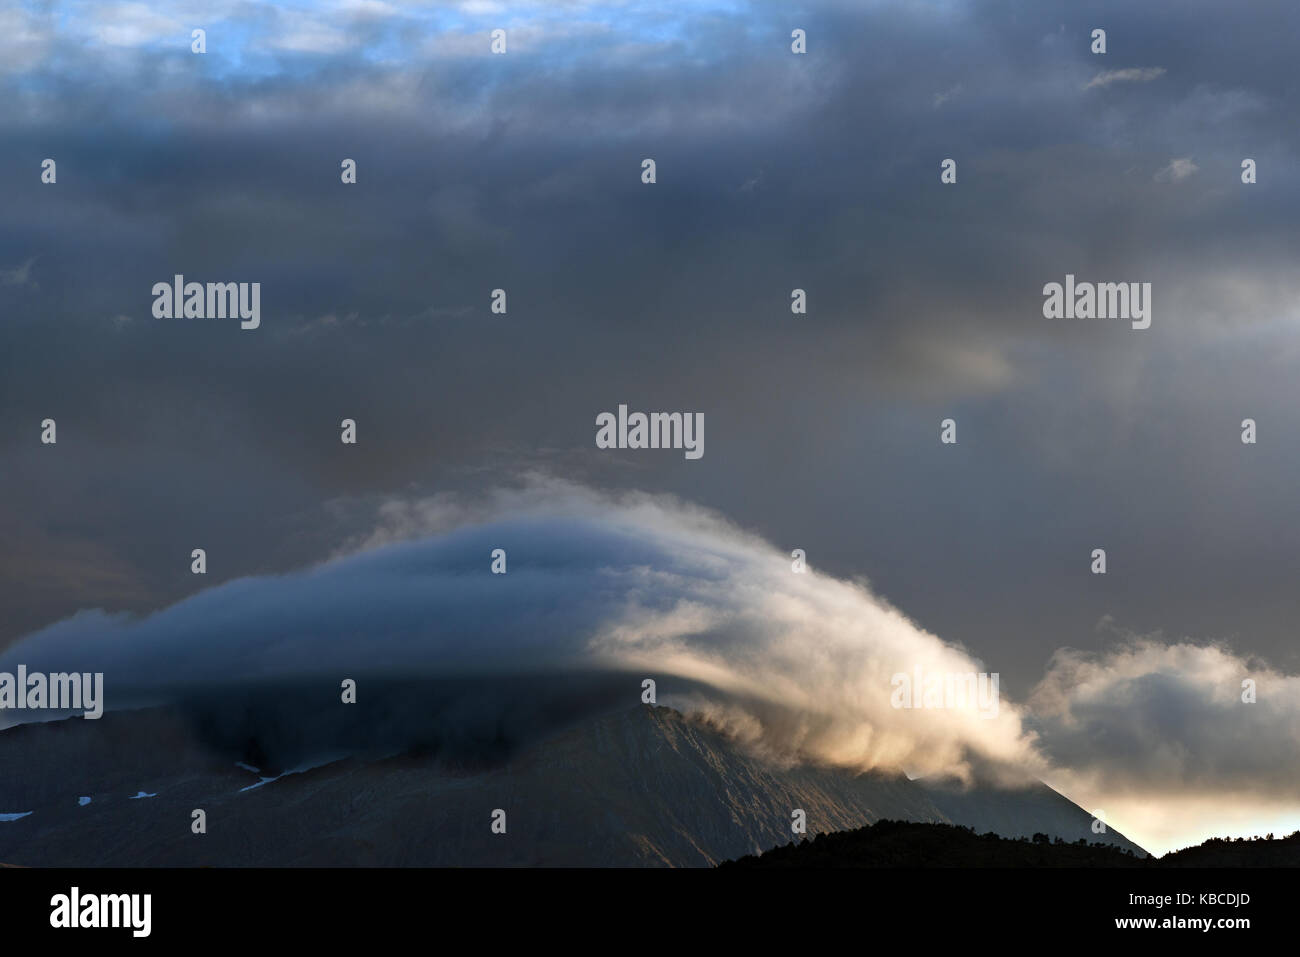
<point>795,666</point>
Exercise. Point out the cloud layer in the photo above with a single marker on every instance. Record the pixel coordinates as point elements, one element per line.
<point>776,171</point>
<point>799,664</point>
<point>1180,741</point>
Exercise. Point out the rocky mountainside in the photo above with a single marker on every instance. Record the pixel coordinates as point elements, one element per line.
<point>632,788</point>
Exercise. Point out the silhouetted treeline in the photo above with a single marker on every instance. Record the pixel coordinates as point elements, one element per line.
<point>905,844</point>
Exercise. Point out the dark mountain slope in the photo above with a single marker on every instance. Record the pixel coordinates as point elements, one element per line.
<point>632,788</point>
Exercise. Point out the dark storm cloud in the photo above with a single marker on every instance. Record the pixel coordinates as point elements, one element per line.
<point>775,171</point>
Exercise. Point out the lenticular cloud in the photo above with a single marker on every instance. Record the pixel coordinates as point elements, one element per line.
<point>799,665</point>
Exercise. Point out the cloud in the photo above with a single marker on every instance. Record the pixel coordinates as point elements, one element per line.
<point>941,98</point>
<point>18,275</point>
<point>24,40</point>
<point>1177,171</point>
<point>135,24</point>
<point>302,33</point>
<point>1130,75</point>
<point>639,587</point>
<point>1149,726</point>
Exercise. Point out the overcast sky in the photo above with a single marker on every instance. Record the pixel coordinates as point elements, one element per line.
<point>774,171</point>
